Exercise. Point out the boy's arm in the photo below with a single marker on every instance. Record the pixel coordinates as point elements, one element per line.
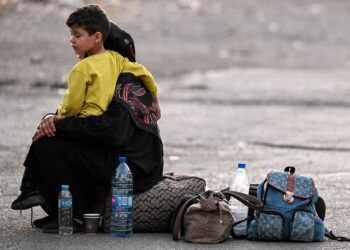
<point>73,98</point>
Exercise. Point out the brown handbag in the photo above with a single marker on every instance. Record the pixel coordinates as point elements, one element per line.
<point>209,219</point>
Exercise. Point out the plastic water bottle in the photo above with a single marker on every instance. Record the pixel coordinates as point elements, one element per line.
<point>122,189</point>
<point>240,183</point>
<point>65,211</point>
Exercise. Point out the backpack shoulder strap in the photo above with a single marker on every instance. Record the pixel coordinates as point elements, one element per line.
<point>330,235</point>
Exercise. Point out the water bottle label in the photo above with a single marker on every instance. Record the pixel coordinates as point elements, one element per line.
<point>66,203</point>
<point>123,201</point>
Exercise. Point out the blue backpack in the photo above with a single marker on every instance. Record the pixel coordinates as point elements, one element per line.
<point>288,213</point>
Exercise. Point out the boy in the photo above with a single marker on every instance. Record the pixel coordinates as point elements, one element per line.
<point>92,81</point>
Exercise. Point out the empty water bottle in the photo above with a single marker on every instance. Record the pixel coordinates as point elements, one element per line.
<point>122,188</point>
<point>240,183</point>
<point>65,211</point>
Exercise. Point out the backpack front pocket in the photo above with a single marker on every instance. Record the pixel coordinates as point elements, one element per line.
<point>270,226</point>
<point>302,226</point>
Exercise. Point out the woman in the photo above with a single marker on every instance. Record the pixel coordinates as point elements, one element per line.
<point>83,152</point>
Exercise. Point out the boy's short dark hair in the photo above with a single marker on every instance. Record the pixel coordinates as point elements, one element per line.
<point>91,18</point>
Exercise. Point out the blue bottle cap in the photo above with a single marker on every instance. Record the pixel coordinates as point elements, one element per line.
<point>241,165</point>
<point>65,187</point>
<point>122,158</point>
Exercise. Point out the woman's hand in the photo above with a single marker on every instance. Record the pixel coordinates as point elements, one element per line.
<point>47,127</point>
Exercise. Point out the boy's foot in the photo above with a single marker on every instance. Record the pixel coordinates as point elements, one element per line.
<point>52,227</point>
<point>39,223</point>
<point>27,200</point>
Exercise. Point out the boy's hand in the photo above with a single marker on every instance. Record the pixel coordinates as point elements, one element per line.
<point>47,127</point>
<point>156,107</point>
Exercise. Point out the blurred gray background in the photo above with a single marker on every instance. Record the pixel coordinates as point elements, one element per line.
<point>180,36</point>
<point>264,82</point>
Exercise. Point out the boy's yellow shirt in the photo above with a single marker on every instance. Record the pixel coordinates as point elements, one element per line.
<point>92,81</point>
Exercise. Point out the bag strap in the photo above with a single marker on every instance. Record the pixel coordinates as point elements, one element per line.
<point>178,206</point>
<point>246,199</point>
<point>179,217</point>
<point>240,221</point>
<point>330,235</point>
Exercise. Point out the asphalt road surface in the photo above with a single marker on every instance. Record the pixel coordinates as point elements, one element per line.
<point>260,82</point>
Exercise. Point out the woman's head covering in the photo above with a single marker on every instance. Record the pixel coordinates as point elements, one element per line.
<point>120,41</point>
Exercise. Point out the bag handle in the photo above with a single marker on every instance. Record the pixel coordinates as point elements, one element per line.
<point>179,217</point>
<point>289,169</point>
<point>246,199</point>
